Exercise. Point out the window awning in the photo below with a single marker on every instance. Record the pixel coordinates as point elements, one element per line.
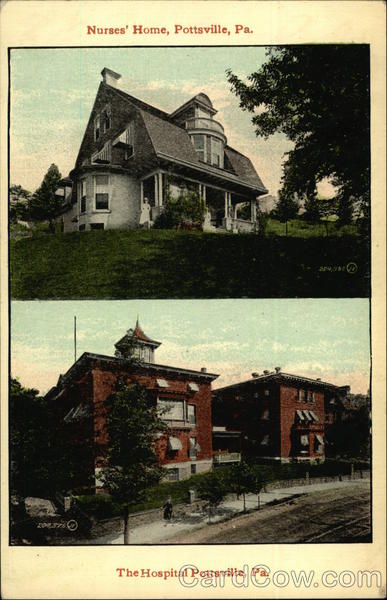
<point>300,415</point>
<point>174,443</point>
<point>308,415</point>
<point>319,438</point>
<point>193,386</point>
<point>314,416</point>
<point>162,383</point>
<point>304,440</point>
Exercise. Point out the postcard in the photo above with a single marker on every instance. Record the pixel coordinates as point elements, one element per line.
<point>192,246</point>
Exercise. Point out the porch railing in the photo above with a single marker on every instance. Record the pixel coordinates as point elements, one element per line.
<point>225,457</point>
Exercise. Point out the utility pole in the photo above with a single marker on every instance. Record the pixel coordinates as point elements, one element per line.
<point>75,339</point>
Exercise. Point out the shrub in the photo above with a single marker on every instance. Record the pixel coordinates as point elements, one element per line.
<point>188,208</point>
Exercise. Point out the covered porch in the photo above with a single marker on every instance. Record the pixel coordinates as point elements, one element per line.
<point>226,446</point>
<point>231,211</point>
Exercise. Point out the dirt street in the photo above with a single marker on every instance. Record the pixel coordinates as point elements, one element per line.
<point>335,515</point>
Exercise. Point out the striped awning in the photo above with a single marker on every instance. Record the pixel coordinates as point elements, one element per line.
<point>314,416</point>
<point>174,443</point>
<point>308,415</point>
<point>319,438</point>
<point>300,415</point>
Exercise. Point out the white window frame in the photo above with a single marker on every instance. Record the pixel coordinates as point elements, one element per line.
<point>192,406</point>
<point>162,402</point>
<point>199,150</point>
<point>214,141</point>
<point>99,187</point>
<point>81,184</point>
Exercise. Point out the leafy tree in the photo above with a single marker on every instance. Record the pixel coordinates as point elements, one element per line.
<point>44,203</point>
<point>246,479</point>
<point>188,208</point>
<point>262,221</point>
<point>349,435</point>
<point>318,96</point>
<point>43,459</point>
<point>19,203</point>
<point>286,208</point>
<point>327,211</point>
<point>345,209</point>
<point>312,210</point>
<point>132,422</point>
<point>213,487</point>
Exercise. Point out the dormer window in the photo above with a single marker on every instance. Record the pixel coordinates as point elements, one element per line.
<point>97,128</point>
<point>102,122</point>
<point>106,121</point>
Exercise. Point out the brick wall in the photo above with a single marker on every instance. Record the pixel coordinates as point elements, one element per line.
<point>290,403</point>
<point>104,382</point>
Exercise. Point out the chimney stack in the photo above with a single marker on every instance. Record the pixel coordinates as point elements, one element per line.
<point>266,372</point>
<point>277,369</point>
<point>318,378</point>
<point>254,374</point>
<point>110,77</point>
<point>203,370</point>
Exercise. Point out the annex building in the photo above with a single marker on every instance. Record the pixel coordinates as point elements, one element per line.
<point>279,416</point>
<point>133,155</point>
<point>183,396</point>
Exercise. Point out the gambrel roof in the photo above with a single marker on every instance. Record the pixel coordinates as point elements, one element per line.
<point>170,141</point>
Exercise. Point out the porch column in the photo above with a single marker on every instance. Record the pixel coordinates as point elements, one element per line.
<point>202,193</point>
<point>227,201</point>
<point>141,194</point>
<point>253,211</point>
<point>155,178</point>
<point>160,186</point>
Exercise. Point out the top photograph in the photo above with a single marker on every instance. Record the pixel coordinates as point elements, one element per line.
<point>189,172</point>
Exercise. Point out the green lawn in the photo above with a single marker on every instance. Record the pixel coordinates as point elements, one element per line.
<point>182,264</point>
<point>301,229</point>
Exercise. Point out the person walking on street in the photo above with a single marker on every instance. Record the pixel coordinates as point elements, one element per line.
<point>168,509</point>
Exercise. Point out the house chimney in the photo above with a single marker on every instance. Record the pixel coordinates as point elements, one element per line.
<point>254,374</point>
<point>318,378</point>
<point>277,369</point>
<point>266,372</point>
<point>110,77</point>
<point>203,370</point>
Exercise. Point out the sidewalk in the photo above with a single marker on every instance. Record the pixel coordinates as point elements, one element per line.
<point>160,530</point>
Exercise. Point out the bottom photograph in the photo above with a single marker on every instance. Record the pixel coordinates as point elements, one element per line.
<point>190,422</point>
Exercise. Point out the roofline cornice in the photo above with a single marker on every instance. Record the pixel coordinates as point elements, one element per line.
<point>87,357</point>
<point>284,377</point>
<point>206,169</point>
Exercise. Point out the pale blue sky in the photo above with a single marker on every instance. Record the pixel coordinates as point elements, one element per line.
<point>327,338</point>
<point>53,90</point>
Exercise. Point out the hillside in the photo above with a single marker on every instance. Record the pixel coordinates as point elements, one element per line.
<point>180,264</point>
